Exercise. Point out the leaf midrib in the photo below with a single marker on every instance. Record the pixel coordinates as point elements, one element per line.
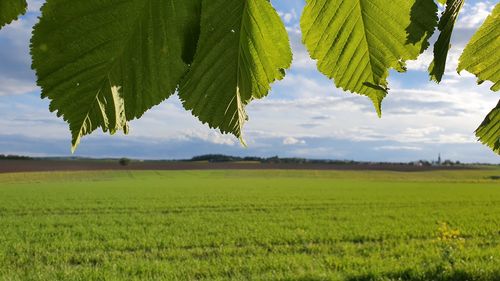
<point>238,65</point>
<point>360,5</point>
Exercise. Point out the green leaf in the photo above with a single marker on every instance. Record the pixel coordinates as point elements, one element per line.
<point>481,56</point>
<point>489,131</point>
<point>10,10</point>
<point>243,48</point>
<point>442,45</point>
<point>356,42</point>
<point>105,62</point>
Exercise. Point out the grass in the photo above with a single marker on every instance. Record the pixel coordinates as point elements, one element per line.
<point>250,225</point>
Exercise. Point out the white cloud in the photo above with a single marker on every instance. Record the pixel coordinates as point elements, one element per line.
<point>35,5</point>
<point>288,17</point>
<point>301,58</point>
<point>11,86</point>
<point>210,137</point>
<point>293,141</point>
<point>16,76</point>
<point>473,15</point>
<point>396,148</point>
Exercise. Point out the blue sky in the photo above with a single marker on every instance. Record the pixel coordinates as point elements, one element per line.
<point>305,115</point>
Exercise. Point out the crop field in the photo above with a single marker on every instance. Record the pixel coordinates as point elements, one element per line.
<point>250,225</point>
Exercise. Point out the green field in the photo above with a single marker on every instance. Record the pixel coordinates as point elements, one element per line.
<point>250,225</point>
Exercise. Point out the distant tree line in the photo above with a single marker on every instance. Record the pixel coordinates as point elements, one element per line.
<point>217,158</point>
<point>425,163</point>
<point>14,157</point>
<point>220,158</point>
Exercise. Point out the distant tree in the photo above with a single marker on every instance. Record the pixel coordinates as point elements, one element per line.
<point>448,163</point>
<point>252,159</point>
<point>424,163</point>
<point>124,161</point>
<point>216,158</point>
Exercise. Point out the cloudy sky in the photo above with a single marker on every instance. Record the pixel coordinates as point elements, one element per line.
<point>304,115</point>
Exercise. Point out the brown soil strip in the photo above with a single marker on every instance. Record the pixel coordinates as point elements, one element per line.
<point>13,166</point>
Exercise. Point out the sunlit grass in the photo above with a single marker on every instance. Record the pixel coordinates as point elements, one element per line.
<point>259,225</point>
